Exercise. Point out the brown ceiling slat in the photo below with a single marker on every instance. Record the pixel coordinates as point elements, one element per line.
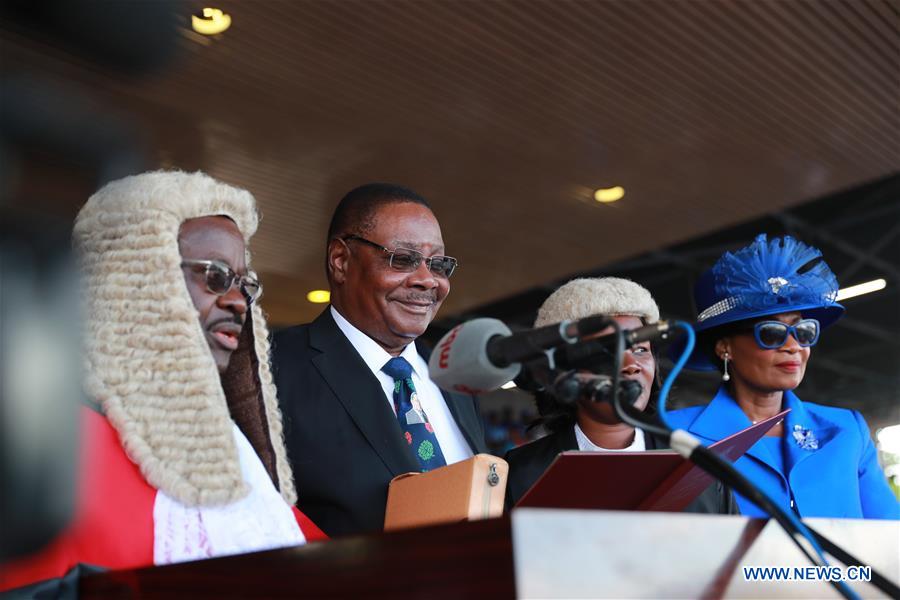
<point>695,79</point>
<point>577,72</point>
<point>507,69</point>
<point>826,76</point>
<point>758,125</point>
<point>864,72</point>
<point>840,35</point>
<point>846,79</point>
<point>775,79</point>
<point>887,11</point>
<point>399,56</point>
<point>878,26</point>
<point>878,49</point>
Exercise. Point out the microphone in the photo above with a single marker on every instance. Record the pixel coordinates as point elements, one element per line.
<point>598,388</point>
<point>597,353</point>
<point>573,385</point>
<point>483,354</point>
<point>532,343</point>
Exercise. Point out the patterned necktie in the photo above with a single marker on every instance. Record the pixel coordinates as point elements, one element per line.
<point>417,430</point>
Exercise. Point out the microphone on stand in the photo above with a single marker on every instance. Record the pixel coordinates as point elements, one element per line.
<point>483,354</point>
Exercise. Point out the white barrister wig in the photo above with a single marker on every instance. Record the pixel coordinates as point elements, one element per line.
<point>612,296</point>
<point>147,361</point>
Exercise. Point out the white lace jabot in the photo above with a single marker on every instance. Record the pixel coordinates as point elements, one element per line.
<point>260,521</point>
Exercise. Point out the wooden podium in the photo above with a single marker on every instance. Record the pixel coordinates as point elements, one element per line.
<point>537,553</point>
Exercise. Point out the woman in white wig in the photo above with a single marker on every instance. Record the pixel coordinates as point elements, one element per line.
<point>593,426</point>
<point>183,456</point>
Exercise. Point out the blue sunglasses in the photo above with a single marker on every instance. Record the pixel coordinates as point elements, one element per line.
<point>774,334</point>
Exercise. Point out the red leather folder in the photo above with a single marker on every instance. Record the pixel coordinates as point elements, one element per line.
<point>657,480</point>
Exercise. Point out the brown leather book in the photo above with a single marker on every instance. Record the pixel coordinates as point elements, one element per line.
<point>658,480</point>
<point>469,490</point>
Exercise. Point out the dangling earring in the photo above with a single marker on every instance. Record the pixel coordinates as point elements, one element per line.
<point>725,375</point>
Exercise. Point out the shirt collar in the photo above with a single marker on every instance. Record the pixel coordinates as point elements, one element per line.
<point>586,445</point>
<point>372,354</point>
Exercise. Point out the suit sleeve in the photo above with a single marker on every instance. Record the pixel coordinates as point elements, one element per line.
<point>478,429</point>
<point>876,497</point>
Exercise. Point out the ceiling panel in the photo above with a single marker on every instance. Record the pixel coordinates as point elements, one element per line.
<point>507,115</point>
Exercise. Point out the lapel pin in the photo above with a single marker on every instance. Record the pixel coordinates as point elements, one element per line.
<point>805,438</point>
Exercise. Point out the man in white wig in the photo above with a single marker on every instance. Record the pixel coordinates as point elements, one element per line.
<point>183,456</point>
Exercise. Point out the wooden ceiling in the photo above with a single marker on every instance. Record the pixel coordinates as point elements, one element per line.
<point>507,115</point>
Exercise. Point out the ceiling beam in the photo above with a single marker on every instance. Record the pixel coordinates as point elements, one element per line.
<point>791,221</point>
<point>872,250</point>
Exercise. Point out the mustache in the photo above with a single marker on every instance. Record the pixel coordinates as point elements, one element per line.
<point>232,320</point>
<point>428,297</point>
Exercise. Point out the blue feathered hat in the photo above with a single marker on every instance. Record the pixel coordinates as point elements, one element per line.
<point>765,278</point>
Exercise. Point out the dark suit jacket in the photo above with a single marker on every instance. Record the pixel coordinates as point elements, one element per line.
<point>527,463</point>
<point>343,440</point>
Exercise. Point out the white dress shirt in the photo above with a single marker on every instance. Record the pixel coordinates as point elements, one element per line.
<point>449,436</point>
<point>586,445</point>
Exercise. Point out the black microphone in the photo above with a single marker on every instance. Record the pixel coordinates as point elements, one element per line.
<point>524,345</point>
<point>571,386</point>
<point>483,354</point>
<point>596,353</point>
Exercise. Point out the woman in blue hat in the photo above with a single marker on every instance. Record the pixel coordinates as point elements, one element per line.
<point>761,311</point>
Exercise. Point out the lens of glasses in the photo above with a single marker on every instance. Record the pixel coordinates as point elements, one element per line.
<point>409,260</point>
<point>774,334</point>
<point>807,332</point>
<point>771,334</point>
<point>406,260</point>
<point>443,265</point>
<point>219,279</point>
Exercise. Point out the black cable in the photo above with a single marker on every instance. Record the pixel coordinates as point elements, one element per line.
<point>725,472</point>
<point>632,416</point>
<point>878,580</point>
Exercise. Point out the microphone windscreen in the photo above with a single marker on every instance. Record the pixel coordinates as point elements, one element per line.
<point>460,361</point>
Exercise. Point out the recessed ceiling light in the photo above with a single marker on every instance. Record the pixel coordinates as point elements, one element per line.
<point>319,296</point>
<point>609,194</point>
<point>213,21</point>
<point>508,385</point>
<point>863,288</point>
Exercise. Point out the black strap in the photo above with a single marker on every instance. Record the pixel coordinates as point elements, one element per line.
<point>878,580</point>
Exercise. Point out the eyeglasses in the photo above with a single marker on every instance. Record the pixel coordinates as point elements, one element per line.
<point>407,260</point>
<point>220,278</point>
<point>774,334</point>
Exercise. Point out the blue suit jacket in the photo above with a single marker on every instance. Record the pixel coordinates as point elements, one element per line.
<point>841,478</point>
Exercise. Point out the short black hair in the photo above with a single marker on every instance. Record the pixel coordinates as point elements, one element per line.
<point>355,213</point>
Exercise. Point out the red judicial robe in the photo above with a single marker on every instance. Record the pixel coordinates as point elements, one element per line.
<point>113,523</point>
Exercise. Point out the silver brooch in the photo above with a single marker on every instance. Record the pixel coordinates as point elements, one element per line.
<point>776,283</point>
<point>805,438</point>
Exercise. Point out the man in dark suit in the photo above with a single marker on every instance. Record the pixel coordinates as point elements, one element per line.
<point>358,404</point>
